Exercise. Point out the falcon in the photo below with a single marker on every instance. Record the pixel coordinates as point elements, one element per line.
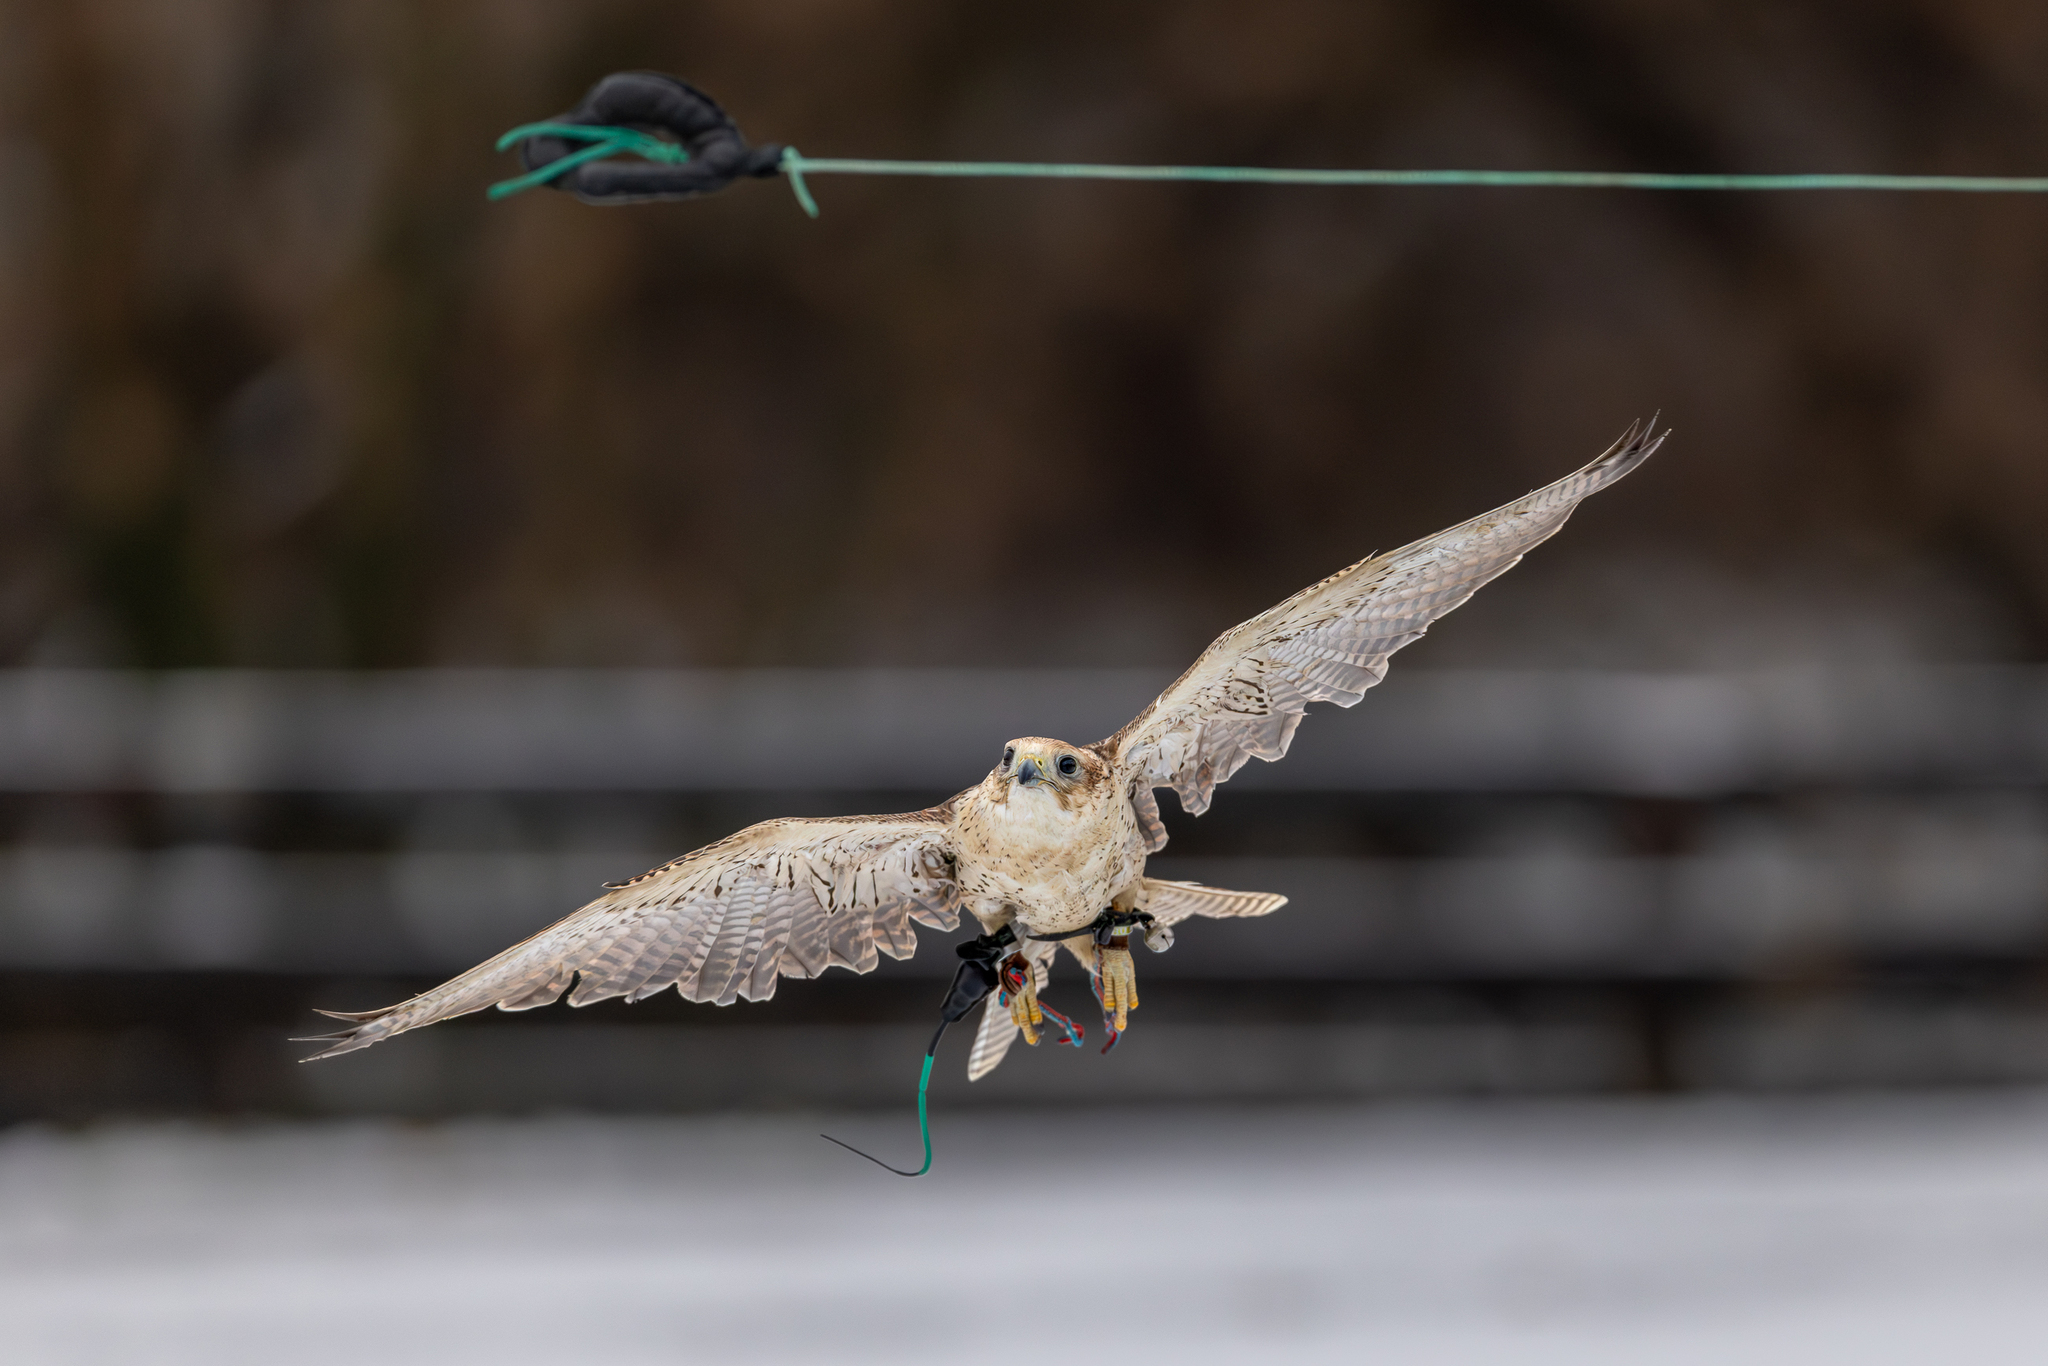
<point>1046,851</point>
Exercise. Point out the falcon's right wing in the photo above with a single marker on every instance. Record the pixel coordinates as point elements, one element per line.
<point>788,898</point>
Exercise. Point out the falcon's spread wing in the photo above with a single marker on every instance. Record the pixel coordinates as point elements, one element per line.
<point>1330,642</point>
<point>788,898</point>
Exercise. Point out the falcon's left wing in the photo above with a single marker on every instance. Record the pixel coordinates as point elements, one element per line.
<point>788,898</point>
<point>1330,642</point>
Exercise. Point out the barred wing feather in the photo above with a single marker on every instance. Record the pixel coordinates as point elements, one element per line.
<point>1329,643</point>
<point>787,898</point>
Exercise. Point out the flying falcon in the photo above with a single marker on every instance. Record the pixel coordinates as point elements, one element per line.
<point>1048,850</point>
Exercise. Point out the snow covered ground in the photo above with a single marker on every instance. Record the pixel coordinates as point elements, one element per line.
<point>1865,1230</point>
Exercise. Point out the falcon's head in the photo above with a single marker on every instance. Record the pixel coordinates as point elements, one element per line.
<point>1072,775</point>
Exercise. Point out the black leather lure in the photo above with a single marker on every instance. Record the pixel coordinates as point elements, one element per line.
<point>718,153</point>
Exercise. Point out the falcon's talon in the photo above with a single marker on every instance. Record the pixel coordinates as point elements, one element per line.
<point>1119,983</point>
<point>1024,1011</point>
<point>1020,994</point>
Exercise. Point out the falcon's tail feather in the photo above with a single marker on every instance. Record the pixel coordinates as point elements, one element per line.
<point>992,1040</point>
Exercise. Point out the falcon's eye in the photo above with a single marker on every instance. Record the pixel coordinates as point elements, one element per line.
<point>1008,755</point>
<point>1069,765</point>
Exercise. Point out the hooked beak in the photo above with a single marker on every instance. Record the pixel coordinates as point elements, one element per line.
<point>1028,771</point>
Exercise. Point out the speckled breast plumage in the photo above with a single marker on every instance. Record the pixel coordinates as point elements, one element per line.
<point>1022,853</point>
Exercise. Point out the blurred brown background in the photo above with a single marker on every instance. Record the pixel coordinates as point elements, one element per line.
<point>279,390</point>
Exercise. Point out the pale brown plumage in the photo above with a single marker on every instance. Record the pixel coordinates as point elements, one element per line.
<point>1055,834</point>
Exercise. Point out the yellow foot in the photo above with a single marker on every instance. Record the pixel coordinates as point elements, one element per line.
<point>1020,991</point>
<point>1119,982</point>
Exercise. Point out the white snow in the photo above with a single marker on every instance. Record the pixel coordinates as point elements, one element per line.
<point>1816,1231</point>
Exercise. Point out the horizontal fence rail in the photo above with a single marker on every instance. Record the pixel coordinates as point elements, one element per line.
<point>1681,735</point>
<point>1752,906</point>
<point>1500,880</point>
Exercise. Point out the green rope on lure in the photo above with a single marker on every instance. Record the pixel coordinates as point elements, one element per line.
<point>605,141</point>
<point>610,140</point>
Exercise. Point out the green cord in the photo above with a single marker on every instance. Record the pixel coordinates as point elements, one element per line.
<point>924,1120</point>
<point>796,167</point>
<point>609,140</point>
<point>1625,180</point>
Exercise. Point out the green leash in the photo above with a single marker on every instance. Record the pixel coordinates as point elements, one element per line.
<point>611,140</point>
<point>924,1121</point>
